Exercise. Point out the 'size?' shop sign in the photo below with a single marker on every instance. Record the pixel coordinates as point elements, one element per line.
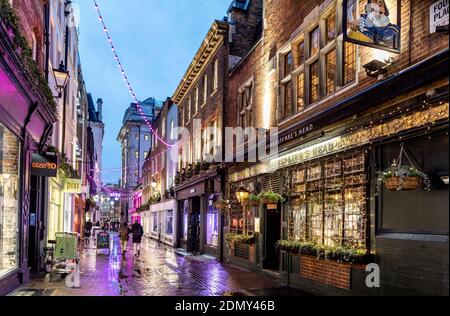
<point>438,15</point>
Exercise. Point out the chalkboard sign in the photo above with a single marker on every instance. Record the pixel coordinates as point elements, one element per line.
<point>103,241</point>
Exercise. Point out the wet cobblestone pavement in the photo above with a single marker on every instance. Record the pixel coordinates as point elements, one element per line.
<point>163,272</point>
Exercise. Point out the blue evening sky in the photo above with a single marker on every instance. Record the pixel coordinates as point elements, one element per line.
<point>156,41</point>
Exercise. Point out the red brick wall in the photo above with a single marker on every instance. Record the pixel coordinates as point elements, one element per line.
<point>326,272</point>
<point>283,17</point>
<point>31,19</point>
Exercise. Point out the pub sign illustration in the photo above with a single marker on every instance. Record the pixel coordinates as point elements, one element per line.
<point>373,23</point>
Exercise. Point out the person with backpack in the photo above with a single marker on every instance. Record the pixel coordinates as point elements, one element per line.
<point>124,236</point>
<point>137,231</point>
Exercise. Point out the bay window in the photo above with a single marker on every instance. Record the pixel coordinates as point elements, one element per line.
<point>324,64</point>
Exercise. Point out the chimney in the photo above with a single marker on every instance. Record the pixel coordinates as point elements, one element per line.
<point>100,109</point>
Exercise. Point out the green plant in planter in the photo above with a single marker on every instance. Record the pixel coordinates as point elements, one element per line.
<point>270,197</point>
<point>245,239</point>
<point>339,254</point>
<point>9,19</point>
<point>205,166</point>
<point>197,168</point>
<point>254,200</point>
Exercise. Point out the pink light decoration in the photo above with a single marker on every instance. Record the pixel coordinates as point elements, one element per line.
<point>116,57</point>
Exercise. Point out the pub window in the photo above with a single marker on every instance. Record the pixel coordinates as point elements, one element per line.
<point>287,92</point>
<point>301,53</point>
<point>331,71</point>
<point>300,92</point>
<point>314,42</point>
<point>349,63</point>
<point>331,27</point>
<point>314,84</point>
<point>287,64</point>
<point>329,203</point>
<point>245,104</point>
<point>323,65</point>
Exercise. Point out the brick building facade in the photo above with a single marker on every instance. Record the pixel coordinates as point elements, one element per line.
<point>202,99</point>
<point>27,112</point>
<point>338,126</point>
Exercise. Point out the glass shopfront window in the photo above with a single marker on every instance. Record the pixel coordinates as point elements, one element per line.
<point>329,202</point>
<point>212,224</point>
<point>155,222</point>
<point>169,223</point>
<point>9,200</point>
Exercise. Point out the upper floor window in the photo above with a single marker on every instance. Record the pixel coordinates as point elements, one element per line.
<point>164,128</point>
<point>314,42</point>
<point>172,129</point>
<point>205,88</point>
<point>287,67</point>
<point>146,137</point>
<point>245,104</point>
<point>196,102</point>
<point>216,75</point>
<point>301,53</point>
<point>136,137</point>
<point>323,65</point>
<point>331,27</point>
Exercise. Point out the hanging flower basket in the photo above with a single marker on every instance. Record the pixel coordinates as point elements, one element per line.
<point>399,177</point>
<point>254,201</point>
<point>404,184</point>
<point>221,204</point>
<point>270,198</point>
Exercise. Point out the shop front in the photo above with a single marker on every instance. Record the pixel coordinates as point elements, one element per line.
<point>199,221</point>
<point>10,173</point>
<point>26,118</point>
<point>335,214</point>
<point>160,221</point>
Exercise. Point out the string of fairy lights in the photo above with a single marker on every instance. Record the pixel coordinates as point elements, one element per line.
<point>126,79</point>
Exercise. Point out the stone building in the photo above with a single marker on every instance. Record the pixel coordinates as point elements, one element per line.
<point>159,206</point>
<point>27,114</point>
<point>344,111</point>
<point>136,139</point>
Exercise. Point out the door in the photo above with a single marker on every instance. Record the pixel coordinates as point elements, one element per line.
<point>194,227</point>
<point>273,235</point>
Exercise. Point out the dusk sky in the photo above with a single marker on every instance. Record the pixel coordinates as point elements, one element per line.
<point>156,41</point>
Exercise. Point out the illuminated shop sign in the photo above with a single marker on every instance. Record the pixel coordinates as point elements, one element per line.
<point>44,166</point>
<point>73,186</point>
<point>295,134</point>
<point>362,137</point>
<point>373,23</point>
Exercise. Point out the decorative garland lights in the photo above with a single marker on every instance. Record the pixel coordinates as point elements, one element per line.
<point>125,76</point>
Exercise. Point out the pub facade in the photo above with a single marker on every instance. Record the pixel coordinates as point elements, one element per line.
<point>361,174</point>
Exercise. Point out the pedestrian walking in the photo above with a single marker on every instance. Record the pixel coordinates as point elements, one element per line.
<point>137,231</point>
<point>124,236</point>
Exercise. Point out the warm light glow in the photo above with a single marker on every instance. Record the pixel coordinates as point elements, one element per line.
<point>267,102</point>
<point>242,194</point>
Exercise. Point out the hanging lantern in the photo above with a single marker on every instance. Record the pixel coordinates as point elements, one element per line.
<point>242,195</point>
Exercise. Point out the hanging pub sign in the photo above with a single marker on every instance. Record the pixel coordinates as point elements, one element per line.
<point>373,23</point>
<point>44,166</point>
<point>73,186</point>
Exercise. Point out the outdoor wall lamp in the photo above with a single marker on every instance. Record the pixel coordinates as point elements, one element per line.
<point>242,194</point>
<point>61,79</point>
<point>377,67</point>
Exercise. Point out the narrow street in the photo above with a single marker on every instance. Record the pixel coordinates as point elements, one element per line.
<point>164,272</point>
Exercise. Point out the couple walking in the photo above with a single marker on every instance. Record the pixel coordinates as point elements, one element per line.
<point>137,232</point>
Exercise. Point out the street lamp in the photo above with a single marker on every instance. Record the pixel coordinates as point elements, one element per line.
<point>61,79</point>
<point>242,195</point>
